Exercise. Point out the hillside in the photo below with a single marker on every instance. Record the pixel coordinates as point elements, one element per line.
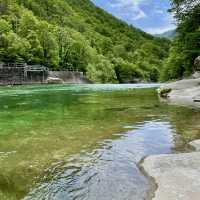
<point>171,34</point>
<point>77,34</point>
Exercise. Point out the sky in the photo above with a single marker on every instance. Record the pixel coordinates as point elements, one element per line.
<point>149,15</point>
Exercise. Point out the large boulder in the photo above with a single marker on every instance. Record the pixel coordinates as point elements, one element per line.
<point>53,80</point>
<point>197,63</point>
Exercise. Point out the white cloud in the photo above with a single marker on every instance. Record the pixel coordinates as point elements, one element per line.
<point>149,15</point>
<point>139,15</point>
<point>168,23</point>
<point>129,9</point>
<point>158,11</point>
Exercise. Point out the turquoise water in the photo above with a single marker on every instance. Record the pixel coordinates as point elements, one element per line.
<point>74,142</point>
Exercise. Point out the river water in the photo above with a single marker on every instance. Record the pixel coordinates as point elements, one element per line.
<point>84,142</point>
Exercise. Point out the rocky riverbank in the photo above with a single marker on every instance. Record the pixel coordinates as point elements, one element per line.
<point>183,92</point>
<point>176,175</point>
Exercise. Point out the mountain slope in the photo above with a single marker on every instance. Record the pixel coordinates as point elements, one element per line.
<point>171,34</point>
<point>77,34</point>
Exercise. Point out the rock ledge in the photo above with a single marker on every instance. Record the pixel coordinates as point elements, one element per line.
<point>176,175</point>
<point>184,92</point>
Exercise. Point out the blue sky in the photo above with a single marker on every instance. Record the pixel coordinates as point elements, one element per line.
<point>148,15</point>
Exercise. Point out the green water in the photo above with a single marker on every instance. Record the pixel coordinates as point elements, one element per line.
<point>84,142</point>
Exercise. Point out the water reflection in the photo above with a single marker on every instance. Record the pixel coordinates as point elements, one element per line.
<point>85,142</point>
<point>110,171</point>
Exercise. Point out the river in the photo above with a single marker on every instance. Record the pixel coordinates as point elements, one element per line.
<point>85,142</point>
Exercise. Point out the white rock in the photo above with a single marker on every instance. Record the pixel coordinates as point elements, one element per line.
<point>52,80</point>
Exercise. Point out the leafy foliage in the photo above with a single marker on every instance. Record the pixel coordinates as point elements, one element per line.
<point>186,46</point>
<point>75,34</point>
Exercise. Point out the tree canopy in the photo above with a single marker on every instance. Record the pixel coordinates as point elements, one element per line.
<point>186,46</point>
<point>75,34</point>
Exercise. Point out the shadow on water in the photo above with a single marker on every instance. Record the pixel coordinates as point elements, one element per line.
<point>85,142</point>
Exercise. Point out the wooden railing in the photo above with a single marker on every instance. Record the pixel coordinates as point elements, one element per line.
<point>36,68</point>
<point>12,65</point>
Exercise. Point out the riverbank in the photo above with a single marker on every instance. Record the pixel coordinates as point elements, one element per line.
<point>175,175</point>
<point>184,92</point>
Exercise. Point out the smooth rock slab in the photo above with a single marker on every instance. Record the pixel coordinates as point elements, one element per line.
<point>177,175</point>
<point>196,144</point>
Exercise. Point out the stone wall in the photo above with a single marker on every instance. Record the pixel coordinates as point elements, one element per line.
<point>11,76</point>
<point>18,76</point>
<point>36,77</point>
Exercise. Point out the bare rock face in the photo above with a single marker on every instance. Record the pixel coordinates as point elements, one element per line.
<point>197,63</point>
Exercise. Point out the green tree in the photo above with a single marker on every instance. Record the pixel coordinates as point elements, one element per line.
<point>36,49</point>
<point>49,45</point>
<point>186,46</point>
<point>102,71</point>
<point>15,49</point>
<point>127,72</point>
<point>5,27</point>
<point>77,34</point>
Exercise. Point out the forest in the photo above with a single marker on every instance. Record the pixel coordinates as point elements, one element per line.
<point>186,45</point>
<point>77,35</point>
